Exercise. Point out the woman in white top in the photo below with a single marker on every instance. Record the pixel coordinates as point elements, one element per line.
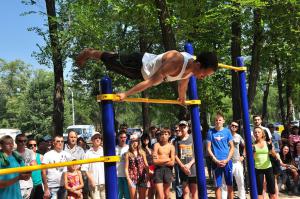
<point>154,69</point>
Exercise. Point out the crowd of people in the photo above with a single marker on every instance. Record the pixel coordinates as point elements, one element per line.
<point>154,163</point>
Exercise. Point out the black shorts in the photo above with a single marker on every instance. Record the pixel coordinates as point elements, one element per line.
<point>187,179</point>
<point>128,65</point>
<point>268,173</point>
<point>163,174</point>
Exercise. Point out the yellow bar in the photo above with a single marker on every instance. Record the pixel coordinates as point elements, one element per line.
<point>233,67</point>
<point>116,98</point>
<point>59,164</point>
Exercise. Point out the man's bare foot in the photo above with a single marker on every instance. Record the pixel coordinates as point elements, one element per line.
<point>86,54</point>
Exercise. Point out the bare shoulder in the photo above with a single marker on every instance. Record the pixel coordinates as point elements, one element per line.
<point>172,54</point>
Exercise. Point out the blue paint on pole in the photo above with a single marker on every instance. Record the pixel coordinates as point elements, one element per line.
<point>247,130</point>
<point>197,136</point>
<point>109,144</point>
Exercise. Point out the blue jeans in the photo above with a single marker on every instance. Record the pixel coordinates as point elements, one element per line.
<point>57,192</point>
<point>123,190</point>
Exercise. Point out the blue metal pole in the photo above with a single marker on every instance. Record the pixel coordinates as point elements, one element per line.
<point>247,130</point>
<point>197,136</point>
<point>109,144</point>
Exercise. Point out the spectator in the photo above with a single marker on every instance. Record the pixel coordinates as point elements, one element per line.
<point>296,163</point>
<point>29,159</point>
<point>163,158</point>
<point>152,131</point>
<point>121,149</point>
<point>220,147</point>
<point>38,191</point>
<point>136,167</point>
<point>257,121</point>
<point>52,178</point>
<point>82,143</point>
<point>95,171</point>
<point>184,148</point>
<point>276,139</point>
<point>146,146</point>
<point>9,183</point>
<point>174,134</point>
<point>73,182</point>
<point>294,137</point>
<point>177,183</point>
<point>71,147</point>
<point>263,166</point>
<point>287,168</point>
<point>237,159</point>
<point>286,133</point>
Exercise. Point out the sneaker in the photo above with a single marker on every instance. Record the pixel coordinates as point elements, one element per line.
<point>283,187</point>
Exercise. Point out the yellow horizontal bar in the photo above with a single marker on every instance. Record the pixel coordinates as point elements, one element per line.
<point>25,169</point>
<point>232,67</point>
<point>116,98</point>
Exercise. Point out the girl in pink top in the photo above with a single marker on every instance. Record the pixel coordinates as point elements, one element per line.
<point>73,183</point>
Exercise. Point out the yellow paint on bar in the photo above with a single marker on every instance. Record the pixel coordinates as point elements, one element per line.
<point>116,98</point>
<point>25,169</point>
<point>232,67</point>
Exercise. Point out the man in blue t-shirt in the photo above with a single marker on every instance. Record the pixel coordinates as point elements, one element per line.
<point>220,147</point>
<point>9,183</point>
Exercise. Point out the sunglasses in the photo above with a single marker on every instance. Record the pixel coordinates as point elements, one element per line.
<point>123,137</point>
<point>59,141</point>
<point>235,126</point>
<point>31,145</point>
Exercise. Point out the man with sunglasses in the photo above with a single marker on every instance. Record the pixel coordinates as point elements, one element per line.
<point>52,178</point>
<point>29,159</point>
<point>237,159</point>
<point>37,191</point>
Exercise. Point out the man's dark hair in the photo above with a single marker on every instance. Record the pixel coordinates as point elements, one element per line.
<point>208,60</point>
<point>255,116</point>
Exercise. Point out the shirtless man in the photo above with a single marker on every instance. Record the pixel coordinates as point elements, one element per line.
<point>155,69</point>
<point>163,159</point>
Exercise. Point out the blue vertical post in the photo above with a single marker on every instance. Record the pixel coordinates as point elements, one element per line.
<point>247,130</point>
<point>111,182</point>
<point>197,136</point>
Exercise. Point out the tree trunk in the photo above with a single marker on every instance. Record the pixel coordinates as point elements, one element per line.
<point>280,91</point>
<point>235,52</point>
<point>168,36</point>
<point>289,90</point>
<point>145,106</point>
<point>266,95</point>
<point>58,99</point>
<point>256,48</point>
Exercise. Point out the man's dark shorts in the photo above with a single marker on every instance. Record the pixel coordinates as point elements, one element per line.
<point>187,179</point>
<point>163,174</point>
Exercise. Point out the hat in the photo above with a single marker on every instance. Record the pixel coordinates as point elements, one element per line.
<point>183,122</point>
<point>95,133</point>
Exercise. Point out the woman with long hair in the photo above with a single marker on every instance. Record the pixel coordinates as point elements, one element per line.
<point>296,164</point>
<point>263,166</point>
<point>136,169</point>
<point>287,167</point>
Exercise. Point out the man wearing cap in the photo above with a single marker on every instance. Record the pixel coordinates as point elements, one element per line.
<point>184,148</point>
<point>95,171</point>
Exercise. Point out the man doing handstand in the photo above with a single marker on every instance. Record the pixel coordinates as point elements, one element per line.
<point>154,69</point>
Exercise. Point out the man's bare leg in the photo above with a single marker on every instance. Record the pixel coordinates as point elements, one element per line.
<point>86,54</point>
<point>167,188</point>
<point>194,190</point>
<point>218,193</point>
<point>159,190</point>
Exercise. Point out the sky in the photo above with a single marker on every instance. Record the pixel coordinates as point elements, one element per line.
<point>16,42</point>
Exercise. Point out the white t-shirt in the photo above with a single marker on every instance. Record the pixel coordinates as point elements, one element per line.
<point>97,169</point>
<point>54,176</point>
<point>120,151</point>
<point>28,156</point>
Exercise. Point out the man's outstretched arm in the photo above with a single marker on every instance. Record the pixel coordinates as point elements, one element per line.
<point>182,88</point>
